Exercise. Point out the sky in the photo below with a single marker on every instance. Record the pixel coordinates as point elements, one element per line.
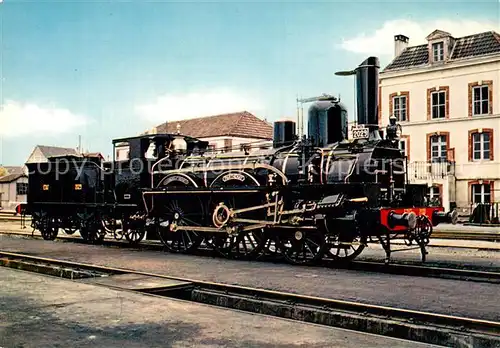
<point>110,69</point>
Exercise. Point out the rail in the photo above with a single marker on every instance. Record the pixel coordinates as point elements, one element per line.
<point>469,273</point>
<point>415,325</point>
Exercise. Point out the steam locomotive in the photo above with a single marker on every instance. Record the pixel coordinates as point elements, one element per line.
<point>306,198</point>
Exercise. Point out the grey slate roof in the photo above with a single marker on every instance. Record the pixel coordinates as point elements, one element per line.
<point>52,151</point>
<point>470,46</point>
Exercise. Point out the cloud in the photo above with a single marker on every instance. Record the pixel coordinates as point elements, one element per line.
<point>173,107</point>
<point>18,119</point>
<point>381,41</point>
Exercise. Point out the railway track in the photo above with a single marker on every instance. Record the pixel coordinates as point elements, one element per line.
<point>433,328</point>
<point>397,268</point>
<point>438,234</point>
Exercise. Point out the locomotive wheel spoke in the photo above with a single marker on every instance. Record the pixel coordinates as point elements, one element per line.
<point>181,212</point>
<point>135,236</point>
<point>302,248</point>
<point>91,233</point>
<point>246,245</point>
<point>344,251</point>
<point>49,229</point>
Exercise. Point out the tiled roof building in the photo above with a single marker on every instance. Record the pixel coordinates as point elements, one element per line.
<point>471,46</point>
<point>239,124</point>
<point>445,96</point>
<point>41,153</point>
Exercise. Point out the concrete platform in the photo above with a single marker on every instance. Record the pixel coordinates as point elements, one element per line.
<point>40,311</point>
<point>445,296</point>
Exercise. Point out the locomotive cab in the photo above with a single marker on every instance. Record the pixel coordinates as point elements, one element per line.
<point>137,158</point>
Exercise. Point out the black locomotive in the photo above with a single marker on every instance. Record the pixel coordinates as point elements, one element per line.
<point>321,195</point>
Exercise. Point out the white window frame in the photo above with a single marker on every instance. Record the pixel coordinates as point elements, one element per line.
<point>482,99</point>
<point>403,148</point>
<point>438,106</point>
<point>399,111</point>
<point>441,144</point>
<point>432,193</point>
<point>482,193</point>
<point>24,190</point>
<point>483,155</point>
<point>438,51</point>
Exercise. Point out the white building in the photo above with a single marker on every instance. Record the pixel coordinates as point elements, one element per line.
<point>41,153</point>
<point>226,132</point>
<point>13,187</point>
<point>445,94</point>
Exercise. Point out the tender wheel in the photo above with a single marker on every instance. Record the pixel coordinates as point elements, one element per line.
<point>49,229</point>
<point>70,231</point>
<point>181,211</point>
<point>91,233</point>
<point>134,236</point>
<point>303,247</point>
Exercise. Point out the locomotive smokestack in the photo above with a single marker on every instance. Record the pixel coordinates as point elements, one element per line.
<point>367,95</point>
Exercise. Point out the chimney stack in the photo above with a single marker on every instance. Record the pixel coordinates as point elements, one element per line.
<point>400,43</point>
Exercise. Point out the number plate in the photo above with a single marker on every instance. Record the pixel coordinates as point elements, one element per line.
<point>360,132</point>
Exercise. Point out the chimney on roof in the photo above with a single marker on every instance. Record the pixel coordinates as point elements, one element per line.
<point>400,43</point>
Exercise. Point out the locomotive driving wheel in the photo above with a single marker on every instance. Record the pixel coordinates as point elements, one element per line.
<point>241,243</point>
<point>303,247</point>
<point>181,211</point>
<point>341,250</point>
<point>344,243</point>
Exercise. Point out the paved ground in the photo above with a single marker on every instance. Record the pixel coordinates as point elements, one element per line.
<point>462,253</point>
<point>39,311</point>
<point>477,300</point>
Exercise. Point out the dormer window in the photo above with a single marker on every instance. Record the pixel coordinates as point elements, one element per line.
<point>438,51</point>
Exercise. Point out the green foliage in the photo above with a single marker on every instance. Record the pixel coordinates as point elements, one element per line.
<point>3,171</point>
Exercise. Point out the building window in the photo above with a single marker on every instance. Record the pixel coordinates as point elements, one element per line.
<point>438,51</point>
<point>22,188</point>
<point>438,100</point>
<point>434,196</point>
<point>438,145</point>
<point>399,107</point>
<point>480,100</point>
<point>481,193</point>
<point>481,144</point>
<point>404,145</point>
